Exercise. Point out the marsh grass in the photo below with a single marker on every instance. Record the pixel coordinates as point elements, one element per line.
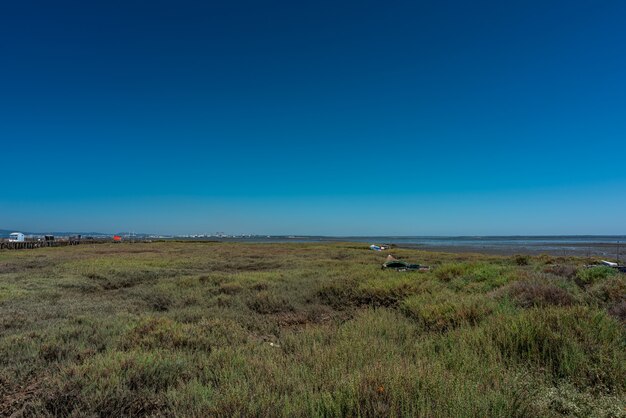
<point>210,329</point>
<point>538,292</point>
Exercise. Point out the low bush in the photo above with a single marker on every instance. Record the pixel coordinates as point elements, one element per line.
<point>449,271</point>
<point>385,291</point>
<point>562,270</point>
<point>609,291</point>
<point>266,302</point>
<point>116,384</point>
<point>113,279</point>
<point>230,288</point>
<point>159,333</point>
<point>474,277</point>
<point>588,276</point>
<point>443,312</point>
<point>339,295</point>
<point>619,311</point>
<point>567,400</point>
<point>582,345</point>
<point>521,260</point>
<point>157,300</point>
<point>535,293</point>
<point>260,286</point>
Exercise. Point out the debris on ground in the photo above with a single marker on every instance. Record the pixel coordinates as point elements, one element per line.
<point>605,263</point>
<point>381,247</point>
<point>399,265</point>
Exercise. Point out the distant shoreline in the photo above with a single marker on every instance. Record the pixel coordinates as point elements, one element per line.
<point>555,246</point>
<point>605,246</point>
<point>582,246</point>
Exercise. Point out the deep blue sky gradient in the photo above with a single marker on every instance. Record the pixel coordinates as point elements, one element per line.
<point>339,118</point>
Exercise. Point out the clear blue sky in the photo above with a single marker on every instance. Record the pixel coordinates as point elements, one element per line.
<point>325,117</point>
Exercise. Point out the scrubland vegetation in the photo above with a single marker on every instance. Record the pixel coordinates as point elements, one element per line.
<point>210,329</point>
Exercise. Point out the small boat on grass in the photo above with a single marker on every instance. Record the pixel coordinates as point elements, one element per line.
<point>399,265</point>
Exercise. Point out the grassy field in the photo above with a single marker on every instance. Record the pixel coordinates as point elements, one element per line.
<point>209,329</point>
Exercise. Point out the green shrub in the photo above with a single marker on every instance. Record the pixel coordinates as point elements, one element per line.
<point>388,291</point>
<point>576,343</point>
<point>385,291</point>
<point>160,333</point>
<point>537,293</point>
<point>117,384</point>
<point>158,300</point>
<point>566,400</point>
<point>444,312</point>
<point>266,302</point>
<point>562,270</point>
<point>230,288</point>
<point>619,311</point>
<point>609,291</point>
<point>474,277</point>
<point>339,295</point>
<point>447,272</point>
<point>521,260</point>
<point>588,276</point>
<point>260,286</point>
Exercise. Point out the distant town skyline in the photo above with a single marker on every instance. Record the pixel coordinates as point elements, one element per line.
<point>323,118</point>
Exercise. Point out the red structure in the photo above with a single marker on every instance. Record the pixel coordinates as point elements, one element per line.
<point>117,238</point>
